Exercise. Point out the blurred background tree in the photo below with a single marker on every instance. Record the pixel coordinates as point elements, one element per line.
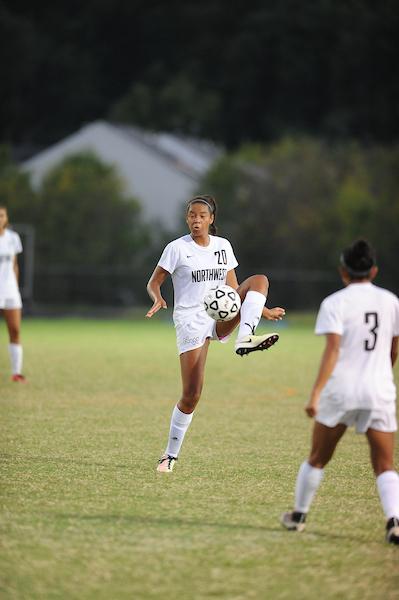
<point>291,207</point>
<point>304,95</point>
<point>82,200</point>
<point>233,72</point>
<point>91,243</point>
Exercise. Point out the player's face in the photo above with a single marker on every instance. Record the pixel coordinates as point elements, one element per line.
<point>3,219</point>
<point>198,219</point>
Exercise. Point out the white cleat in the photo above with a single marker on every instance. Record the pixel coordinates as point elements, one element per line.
<point>251,343</point>
<point>166,463</point>
<point>293,521</point>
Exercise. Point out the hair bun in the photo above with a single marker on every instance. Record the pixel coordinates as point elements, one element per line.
<point>360,247</point>
<point>359,258</point>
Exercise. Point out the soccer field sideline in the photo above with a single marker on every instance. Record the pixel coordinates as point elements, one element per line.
<point>85,515</point>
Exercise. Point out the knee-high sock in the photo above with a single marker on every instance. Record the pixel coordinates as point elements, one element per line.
<point>251,312</point>
<point>178,427</point>
<point>307,483</point>
<point>16,356</point>
<point>388,489</point>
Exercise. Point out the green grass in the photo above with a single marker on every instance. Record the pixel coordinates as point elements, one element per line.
<point>85,516</point>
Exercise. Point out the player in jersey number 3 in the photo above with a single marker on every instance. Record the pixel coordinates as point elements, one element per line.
<point>355,384</point>
<point>198,262</point>
<point>10,298</point>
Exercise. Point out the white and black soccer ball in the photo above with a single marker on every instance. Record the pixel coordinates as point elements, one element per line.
<point>222,303</point>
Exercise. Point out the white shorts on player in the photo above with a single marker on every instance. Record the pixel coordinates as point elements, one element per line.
<point>11,303</point>
<point>361,419</point>
<point>193,330</point>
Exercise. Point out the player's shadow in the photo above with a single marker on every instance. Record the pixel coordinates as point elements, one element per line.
<point>198,524</point>
<point>178,522</point>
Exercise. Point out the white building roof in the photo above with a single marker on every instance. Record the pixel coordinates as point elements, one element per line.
<point>160,169</point>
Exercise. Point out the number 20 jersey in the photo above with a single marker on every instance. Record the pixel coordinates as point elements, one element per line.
<point>196,269</point>
<point>367,318</point>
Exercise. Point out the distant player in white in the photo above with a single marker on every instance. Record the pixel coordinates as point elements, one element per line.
<point>198,262</point>
<point>10,298</point>
<point>355,384</point>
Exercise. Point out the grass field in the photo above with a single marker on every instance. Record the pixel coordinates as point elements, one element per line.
<point>85,516</point>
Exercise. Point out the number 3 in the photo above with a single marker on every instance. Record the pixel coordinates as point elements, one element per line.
<point>368,318</point>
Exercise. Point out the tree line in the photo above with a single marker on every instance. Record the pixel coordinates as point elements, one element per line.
<point>289,208</point>
<point>292,206</point>
<point>232,71</point>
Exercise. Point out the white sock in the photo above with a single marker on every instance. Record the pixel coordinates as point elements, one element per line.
<point>388,489</point>
<point>307,483</point>
<point>251,312</point>
<point>16,355</point>
<point>178,427</point>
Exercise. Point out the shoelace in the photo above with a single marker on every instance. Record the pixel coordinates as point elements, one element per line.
<point>168,458</point>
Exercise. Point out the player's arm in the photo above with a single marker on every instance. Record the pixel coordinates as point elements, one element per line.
<point>16,268</point>
<point>327,364</point>
<point>154,290</point>
<point>394,349</point>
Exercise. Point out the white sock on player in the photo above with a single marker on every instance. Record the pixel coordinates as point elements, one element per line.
<point>307,483</point>
<point>251,312</point>
<point>388,489</point>
<point>16,355</point>
<point>178,427</point>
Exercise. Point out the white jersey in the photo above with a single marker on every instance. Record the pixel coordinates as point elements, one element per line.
<point>196,269</point>
<point>10,245</point>
<point>367,318</point>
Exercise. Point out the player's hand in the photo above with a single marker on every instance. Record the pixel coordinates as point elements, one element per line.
<point>312,406</point>
<point>158,304</point>
<point>273,314</point>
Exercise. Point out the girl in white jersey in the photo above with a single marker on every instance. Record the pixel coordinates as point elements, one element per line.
<point>10,298</point>
<point>198,262</point>
<point>355,384</point>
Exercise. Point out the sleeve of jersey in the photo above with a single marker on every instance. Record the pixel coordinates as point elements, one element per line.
<point>169,258</point>
<point>17,244</point>
<point>232,262</point>
<point>328,319</point>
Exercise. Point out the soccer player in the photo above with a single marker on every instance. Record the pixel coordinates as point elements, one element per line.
<point>355,384</point>
<point>10,298</point>
<point>198,262</point>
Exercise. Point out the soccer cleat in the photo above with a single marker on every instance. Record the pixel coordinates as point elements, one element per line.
<point>392,527</point>
<point>251,343</point>
<point>293,521</point>
<point>166,463</point>
<point>18,378</point>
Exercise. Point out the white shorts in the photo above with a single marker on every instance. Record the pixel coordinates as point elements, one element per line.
<point>11,303</point>
<point>360,418</point>
<point>192,331</point>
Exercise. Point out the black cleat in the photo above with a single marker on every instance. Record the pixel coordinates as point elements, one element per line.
<point>392,527</point>
<point>293,520</point>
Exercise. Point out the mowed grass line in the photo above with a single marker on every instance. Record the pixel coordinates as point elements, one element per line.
<point>85,516</point>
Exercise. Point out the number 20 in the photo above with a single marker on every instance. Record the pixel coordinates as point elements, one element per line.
<point>222,257</point>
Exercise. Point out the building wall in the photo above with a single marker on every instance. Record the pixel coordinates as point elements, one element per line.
<point>159,185</point>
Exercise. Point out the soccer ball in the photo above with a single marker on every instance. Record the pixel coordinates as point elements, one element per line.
<point>222,303</point>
